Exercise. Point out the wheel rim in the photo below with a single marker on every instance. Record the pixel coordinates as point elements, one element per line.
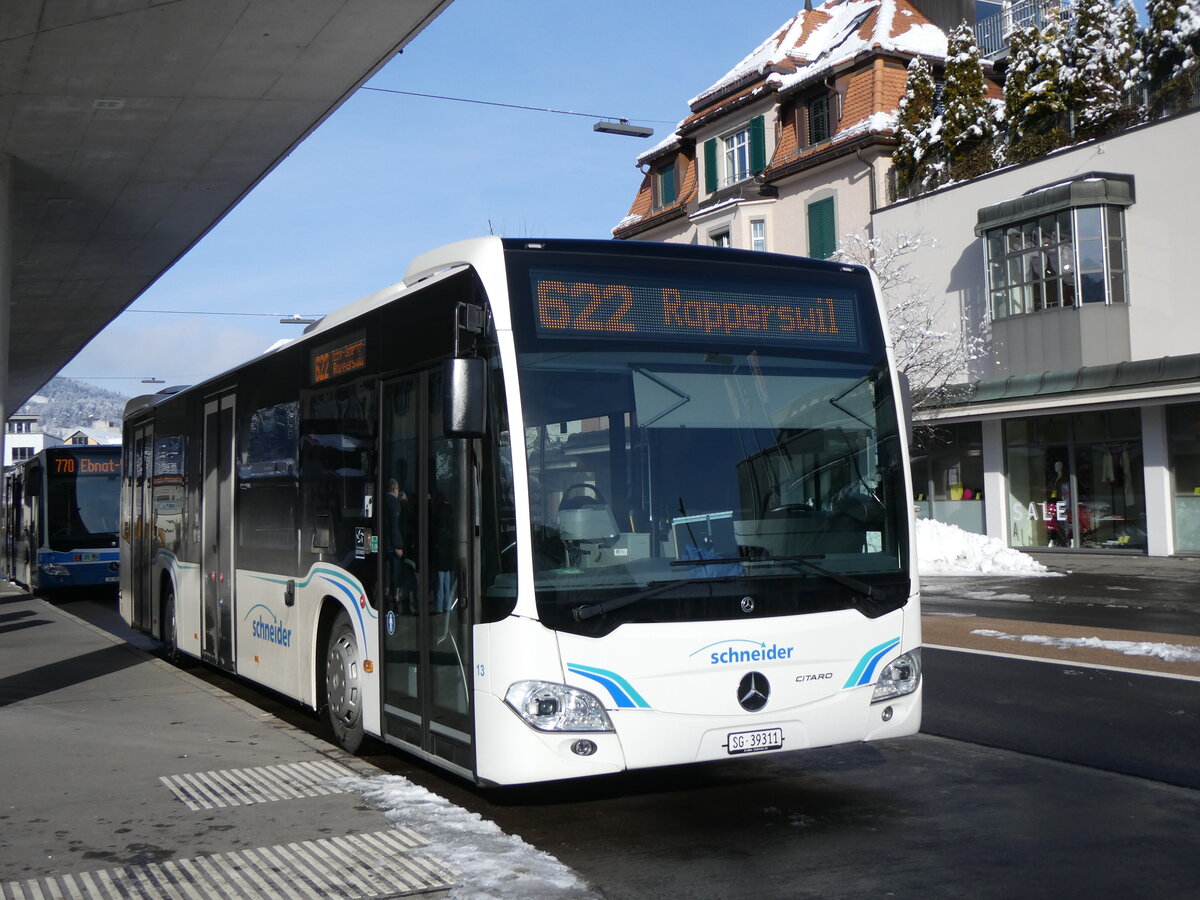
<point>341,679</point>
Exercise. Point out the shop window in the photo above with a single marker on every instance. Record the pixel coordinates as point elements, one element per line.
<point>1183,448</point>
<point>948,474</point>
<point>1076,481</point>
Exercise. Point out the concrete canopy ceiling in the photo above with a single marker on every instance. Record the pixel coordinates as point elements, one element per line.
<point>132,126</point>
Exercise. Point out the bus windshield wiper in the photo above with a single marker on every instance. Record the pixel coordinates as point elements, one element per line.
<point>859,587</point>
<point>591,610</point>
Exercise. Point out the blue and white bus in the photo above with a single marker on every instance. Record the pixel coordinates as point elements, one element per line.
<point>550,509</point>
<point>61,509</point>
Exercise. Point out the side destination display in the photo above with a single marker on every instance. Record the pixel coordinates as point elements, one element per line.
<point>577,304</point>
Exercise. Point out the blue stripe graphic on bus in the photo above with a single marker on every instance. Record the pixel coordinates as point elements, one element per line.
<point>865,670</point>
<point>622,691</point>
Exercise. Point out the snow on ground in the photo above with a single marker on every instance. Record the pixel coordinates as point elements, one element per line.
<point>492,865</point>
<point>948,550</point>
<point>1168,652</point>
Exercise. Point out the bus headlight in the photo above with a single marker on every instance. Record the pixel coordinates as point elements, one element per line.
<point>899,677</point>
<point>56,571</point>
<point>547,706</point>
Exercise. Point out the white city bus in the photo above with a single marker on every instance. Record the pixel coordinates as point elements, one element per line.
<point>550,509</point>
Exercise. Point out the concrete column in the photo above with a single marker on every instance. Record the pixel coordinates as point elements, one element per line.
<point>6,276</point>
<point>1160,513</point>
<point>995,485</point>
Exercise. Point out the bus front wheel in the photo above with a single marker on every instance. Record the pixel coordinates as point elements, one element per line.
<point>343,684</point>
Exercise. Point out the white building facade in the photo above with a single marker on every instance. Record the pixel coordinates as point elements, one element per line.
<point>23,438</point>
<point>1082,429</point>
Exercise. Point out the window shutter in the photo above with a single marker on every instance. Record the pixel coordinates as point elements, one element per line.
<point>710,165</point>
<point>821,238</point>
<point>758,145</point>
<point>666,185</point>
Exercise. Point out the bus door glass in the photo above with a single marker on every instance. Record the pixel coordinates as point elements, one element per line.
<point>217,555</point>
<point>425,538</point>
<point>143,530</point>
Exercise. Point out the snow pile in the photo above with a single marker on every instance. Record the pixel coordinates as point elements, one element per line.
<point>491,865</point>
<point>1167,652</point>
<point>948,550</point>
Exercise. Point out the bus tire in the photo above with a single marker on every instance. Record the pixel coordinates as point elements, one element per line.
<point>343,684</point>
<point>169,628</point>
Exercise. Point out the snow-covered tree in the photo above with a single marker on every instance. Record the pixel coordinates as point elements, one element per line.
<point>968,121</point>
<point>1018,79</point>
<point>1171,48</point>
<point>1093,81</point>
<point>1045,109</point>
<point>937,361</point>
<point>915,124</point>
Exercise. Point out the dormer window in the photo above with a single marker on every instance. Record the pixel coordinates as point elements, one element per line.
<point>665,190</point>
<point>818,123</point>
<point>735,156</point>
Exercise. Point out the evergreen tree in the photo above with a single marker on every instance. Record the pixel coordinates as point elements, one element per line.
<point>915,122</point>
<point>968,127</point>
<point>1018,79</point>
<point>1046,109</point>
<point>1092,78</point>
<point>1171,49</point>
<point>1130,59</point>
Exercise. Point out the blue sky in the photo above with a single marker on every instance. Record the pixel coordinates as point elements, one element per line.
<point>390,176</point>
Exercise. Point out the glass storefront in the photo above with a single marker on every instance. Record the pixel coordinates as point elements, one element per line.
<point>1183,448</point>
<point>1076,481</point>
<point>947,464</point>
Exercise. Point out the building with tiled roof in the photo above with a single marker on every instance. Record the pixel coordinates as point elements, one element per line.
<point>790,149</point>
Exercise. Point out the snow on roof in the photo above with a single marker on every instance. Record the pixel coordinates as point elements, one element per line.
<point>814,41</point>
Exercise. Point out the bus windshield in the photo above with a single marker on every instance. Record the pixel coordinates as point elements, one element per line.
<point>676,477</point>
<point>83,502</point>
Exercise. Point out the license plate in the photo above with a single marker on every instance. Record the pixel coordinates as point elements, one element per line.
<point>112,579</point>
<point>754,741</point>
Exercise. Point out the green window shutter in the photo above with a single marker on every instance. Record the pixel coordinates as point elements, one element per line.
<point>666,185</point>
<point>758,145</point>
<point>710,165</point>
<point>821,238</point>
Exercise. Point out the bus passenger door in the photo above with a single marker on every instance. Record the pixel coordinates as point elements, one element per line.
<point>217,560</point>
<point>141,546</point>
<point>426,513</point>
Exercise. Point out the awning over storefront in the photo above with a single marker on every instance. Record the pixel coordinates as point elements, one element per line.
<point>1091,189</point>
<point>1136,373</point>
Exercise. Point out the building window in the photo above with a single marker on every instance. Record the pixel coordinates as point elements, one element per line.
<point>1066,258</point>
<point>822,229</point>
<point>947,466</point>
<point>1183,448</point>
<point>21,453</point>
<point>817,113</point>
<point>720,239</point>
<point>758,234</point>
<point>1076,481</point>
<point>664,185</point>
<point>742,153</point>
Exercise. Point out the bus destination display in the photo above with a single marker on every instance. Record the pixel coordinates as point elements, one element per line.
<point>575,304</point>
<point>333,361</point>
<point>85,465</point>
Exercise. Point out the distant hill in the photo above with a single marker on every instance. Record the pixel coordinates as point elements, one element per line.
<point>65,405</point>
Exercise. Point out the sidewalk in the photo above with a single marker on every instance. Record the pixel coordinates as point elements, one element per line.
<point>123,774</point>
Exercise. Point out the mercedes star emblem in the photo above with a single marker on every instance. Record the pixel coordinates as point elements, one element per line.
<point>747,604</point>
<point>753,691</point>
